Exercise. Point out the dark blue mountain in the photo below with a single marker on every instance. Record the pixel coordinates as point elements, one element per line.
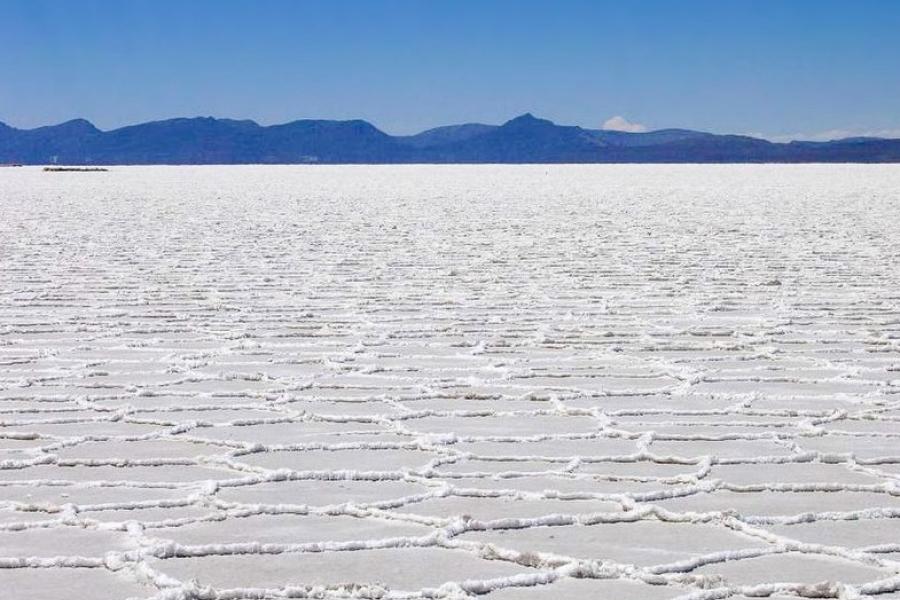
<point>446,135</point>
<point>72,138</point>
<point>525,139</point>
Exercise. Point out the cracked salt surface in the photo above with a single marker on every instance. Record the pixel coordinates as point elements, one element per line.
<point>635,382</point>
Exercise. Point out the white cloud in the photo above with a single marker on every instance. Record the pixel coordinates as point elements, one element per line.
<point>620,123</point>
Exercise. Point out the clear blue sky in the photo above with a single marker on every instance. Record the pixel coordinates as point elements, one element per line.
<point>751,66</point>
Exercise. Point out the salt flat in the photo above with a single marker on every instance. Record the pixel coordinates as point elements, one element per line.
<point>566,382</point>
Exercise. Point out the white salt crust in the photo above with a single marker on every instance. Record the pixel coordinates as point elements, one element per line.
<point>445,382</point>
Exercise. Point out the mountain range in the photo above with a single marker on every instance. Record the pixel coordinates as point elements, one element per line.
<point>524,139</point>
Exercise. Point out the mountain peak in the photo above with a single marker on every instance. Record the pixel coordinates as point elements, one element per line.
<point>76,126</point>
<point>527,119</point>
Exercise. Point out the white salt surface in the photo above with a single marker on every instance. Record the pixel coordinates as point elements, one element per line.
<point>630,382</point>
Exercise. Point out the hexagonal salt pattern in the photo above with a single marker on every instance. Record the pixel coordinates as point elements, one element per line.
<point>561,382</point>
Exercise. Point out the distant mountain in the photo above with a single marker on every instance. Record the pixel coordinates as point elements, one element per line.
<point>650,138</point>
<point>446,135</point>
<point>524,139</point>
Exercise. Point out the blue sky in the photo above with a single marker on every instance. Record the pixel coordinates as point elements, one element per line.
<point>774,67</point>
